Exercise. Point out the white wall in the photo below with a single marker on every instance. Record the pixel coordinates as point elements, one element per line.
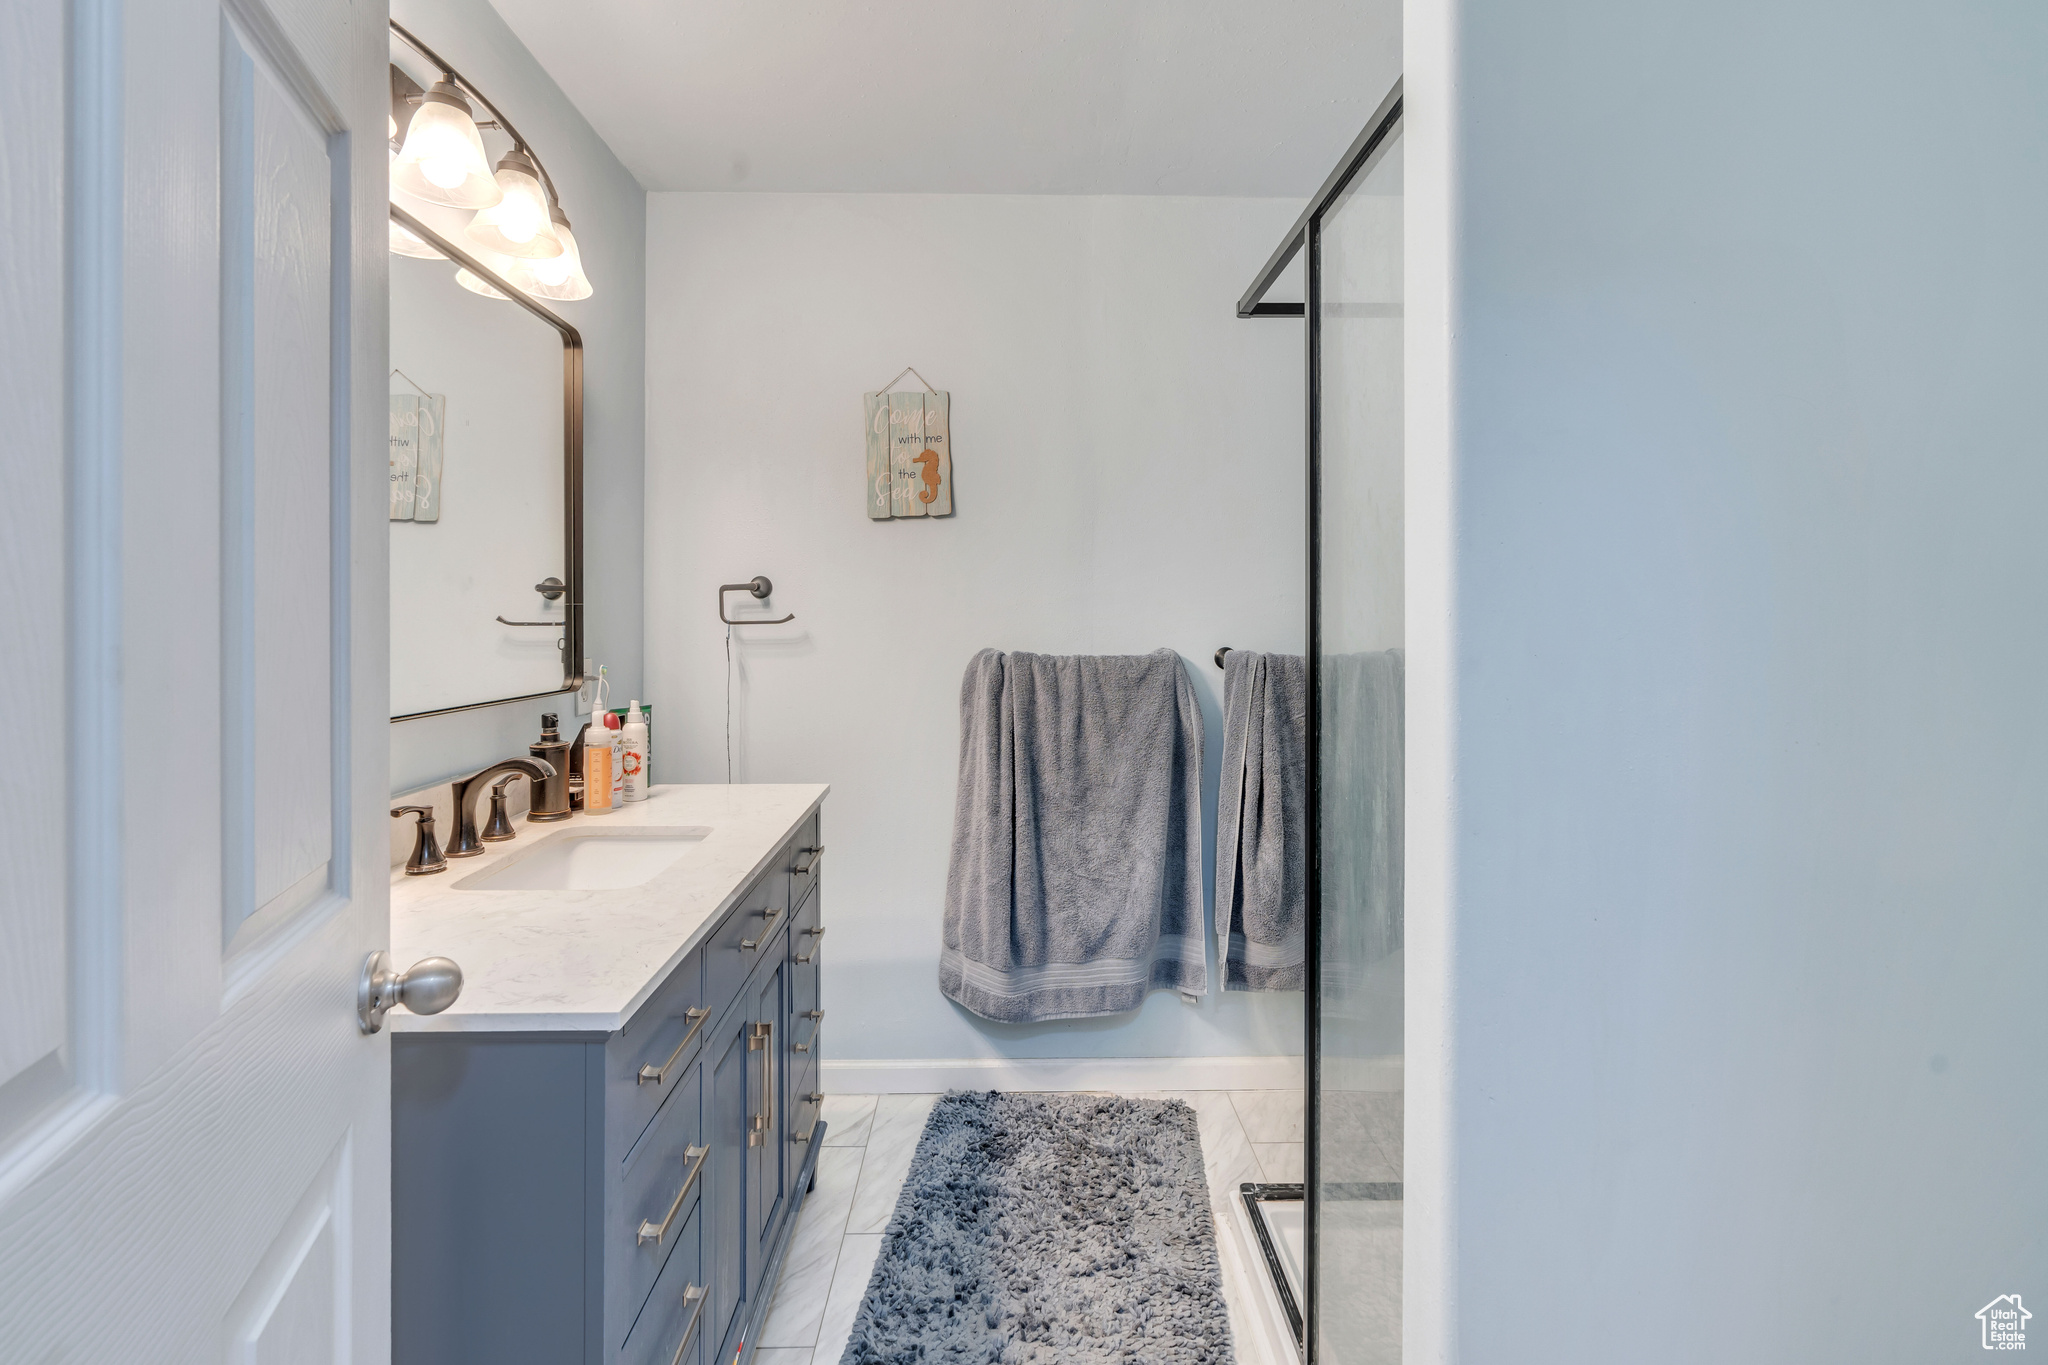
<point>606,206</point>
<point>1128,475</point>
<point>1727,580</point>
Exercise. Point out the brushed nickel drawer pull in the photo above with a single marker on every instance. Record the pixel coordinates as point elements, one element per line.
<point>659,1074</point>
<point>818,1022</point>
<point>654,1232</point>
<point>819,932</point>
<point>803,868</point>
<point>762,1037</point>
<point>748,945</point>
<point>696,1292</point>
<point>817,1098</point>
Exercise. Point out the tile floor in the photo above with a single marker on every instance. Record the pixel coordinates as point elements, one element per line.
<point>870,1139</point>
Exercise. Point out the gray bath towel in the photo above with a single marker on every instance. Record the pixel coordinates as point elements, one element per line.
<point>1363,779</point>
<point>1076,877</point>
<point>1261,822</point>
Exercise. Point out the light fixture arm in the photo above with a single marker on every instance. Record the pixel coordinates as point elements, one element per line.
<point>504,124</point>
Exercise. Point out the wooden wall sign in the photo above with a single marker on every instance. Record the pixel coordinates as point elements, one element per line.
<point>909,453</point>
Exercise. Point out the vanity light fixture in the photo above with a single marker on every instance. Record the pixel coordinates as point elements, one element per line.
<point>517,225</point>
<point>556,277</point>
<point>519,228</point>
<point>442,160</point>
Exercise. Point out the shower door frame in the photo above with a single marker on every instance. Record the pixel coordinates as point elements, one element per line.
<point>1304,239</point>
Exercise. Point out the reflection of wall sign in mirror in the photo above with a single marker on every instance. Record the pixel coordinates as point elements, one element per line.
<point>405,454</point>
<point>417,426</point>
<point>909,454</point>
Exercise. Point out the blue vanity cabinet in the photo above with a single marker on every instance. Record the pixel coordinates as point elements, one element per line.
<point>613,1199</point>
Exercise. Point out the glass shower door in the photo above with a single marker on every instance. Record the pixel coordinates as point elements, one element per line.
<point>1353,312</point>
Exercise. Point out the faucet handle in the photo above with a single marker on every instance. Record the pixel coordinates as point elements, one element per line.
<point>426,849</point>
<point>499,826</point>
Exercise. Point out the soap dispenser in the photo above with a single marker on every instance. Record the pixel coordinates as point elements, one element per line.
<point>550,797</point>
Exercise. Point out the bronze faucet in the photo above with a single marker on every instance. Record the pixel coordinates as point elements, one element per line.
<point>466,843</point>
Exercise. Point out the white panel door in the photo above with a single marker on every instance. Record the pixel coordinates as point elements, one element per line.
<point>194,1133</point>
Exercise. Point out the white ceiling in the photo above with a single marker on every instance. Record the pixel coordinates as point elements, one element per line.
<point>978,96</point>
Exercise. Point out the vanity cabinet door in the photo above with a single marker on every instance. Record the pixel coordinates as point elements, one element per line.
<point>727,1240</point>
<point>768,1114</point>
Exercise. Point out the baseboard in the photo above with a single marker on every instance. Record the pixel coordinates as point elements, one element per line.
<point>933,1076</point>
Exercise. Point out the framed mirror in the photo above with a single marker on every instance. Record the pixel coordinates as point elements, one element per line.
<point>486,487</point>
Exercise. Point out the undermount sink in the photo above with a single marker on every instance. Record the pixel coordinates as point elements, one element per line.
<point>589,860</point>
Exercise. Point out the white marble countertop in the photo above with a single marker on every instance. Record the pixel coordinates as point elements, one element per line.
<point>585,960</point>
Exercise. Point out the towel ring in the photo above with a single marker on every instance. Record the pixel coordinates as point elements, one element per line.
<point>760,587</point>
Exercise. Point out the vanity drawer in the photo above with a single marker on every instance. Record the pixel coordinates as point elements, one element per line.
<point>804,857</point>
<point>737,945</point>
<point>644,1060</point>
<point>675,1310</point>
<point>660,1183</point>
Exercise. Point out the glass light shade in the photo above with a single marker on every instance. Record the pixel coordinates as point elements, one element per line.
<point>443,160</point>
<point>406,242</point>
<point>517,225</point>
<point>477,284</point>
<point>556,277</point>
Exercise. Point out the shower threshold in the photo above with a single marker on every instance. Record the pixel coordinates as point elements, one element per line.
<point>1278,1219</point>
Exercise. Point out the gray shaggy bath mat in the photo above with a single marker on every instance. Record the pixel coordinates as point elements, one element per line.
<point>1049,1228</point>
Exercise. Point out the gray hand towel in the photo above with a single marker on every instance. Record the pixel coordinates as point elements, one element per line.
<point>1076,877</point>
<point>1261,822</point>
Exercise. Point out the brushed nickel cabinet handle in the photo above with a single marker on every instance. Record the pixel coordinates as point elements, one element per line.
<point>653,1232</point>
<point>748,945</point>
<point>803,868</point>
<point>817,932</point>
<point>762,1038</point>
<point>659,1074</point>
<point>818,1022</point>
<point>690,1292</point>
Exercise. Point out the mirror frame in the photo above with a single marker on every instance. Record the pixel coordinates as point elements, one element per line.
<point>572,468</point>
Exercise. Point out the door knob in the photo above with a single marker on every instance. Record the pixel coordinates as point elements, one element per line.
<point>428,987</point>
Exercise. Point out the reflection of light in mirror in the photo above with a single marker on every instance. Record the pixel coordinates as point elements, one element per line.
<point>517,225</point>
<point>477,284</point>
<point>405,242</point>
<point>560,277</point>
